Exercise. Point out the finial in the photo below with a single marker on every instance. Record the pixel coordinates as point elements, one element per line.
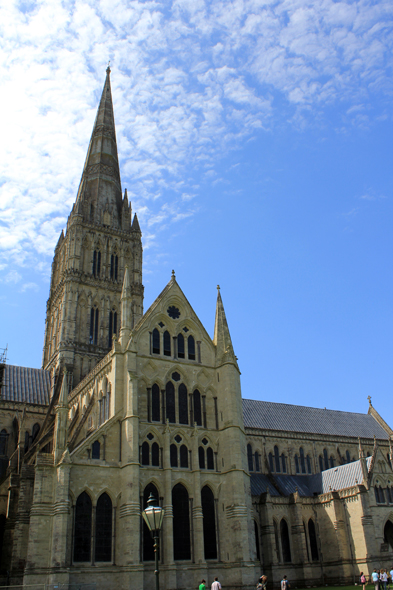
<point>218,287</point>
<point>369,400</point>
<point>173,274</point>
<point>108,69</point>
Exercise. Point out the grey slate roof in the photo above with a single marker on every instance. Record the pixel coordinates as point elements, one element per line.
<point>336,478</point>
<point>25,385</point>
<point>286,417</point>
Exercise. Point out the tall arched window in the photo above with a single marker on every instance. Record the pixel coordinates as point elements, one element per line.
<point>306,540</point>
<point>96,270</point>
<point>170,402</point>
<point>35,431</point>
<point>155,455</point>
<point>183,456</point>
<point>201,456</point>
<point>167,343</point>
<point>3,442</point>
<point>325,459</point>
<point>82,528</point>
<point>191,348</point>
<point>256,457</point>
<point>155,403</point>
<point>148,549</point>
<point>173,455</point>
<point>94,317</point>
<point>308,464</point>
<point>313,540</point>
<point>249,458</point>
<point>112,326</point>
<point>181,523</point>
<point>156,341</point>
<point>114,267</point>
<point>331,462</point>
<point>104,528</point>
<point>320,463</point>
<point>276,542</point>
<point>183,404</point>
<point>302,462</point>
<point>197,408</point>
<point>257,549</point>
<point>209,523</point>
<point>277,459</point>
<point>271,465</point>
<point>283,463</point>
<point>297,464</point>
<point>286,548</point>
<point>348,456</point>
<point>210,458</point>
<point>180,346</point>
<point>145,453</point>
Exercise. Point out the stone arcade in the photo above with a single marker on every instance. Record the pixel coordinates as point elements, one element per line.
<point>129,403</point>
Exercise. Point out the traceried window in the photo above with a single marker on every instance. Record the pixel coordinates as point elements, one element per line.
<point>191,348</point>
<point>156,341</point>
<point>180,346</point>
<point>167,343</point>
<point>183,404</point>
<point>155,403</point>
<point>103,543</point>
<point>82,529</point>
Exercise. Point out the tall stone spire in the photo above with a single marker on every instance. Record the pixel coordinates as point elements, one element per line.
<point>99,198</point>
<point>222,338</point>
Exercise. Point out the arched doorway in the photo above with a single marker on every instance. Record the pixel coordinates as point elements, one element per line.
<point>388,533</point>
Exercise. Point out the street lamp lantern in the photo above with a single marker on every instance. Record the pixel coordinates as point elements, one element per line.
<point>153,516</point>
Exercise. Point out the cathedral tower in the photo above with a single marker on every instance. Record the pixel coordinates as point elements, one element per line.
<point>83,309</point>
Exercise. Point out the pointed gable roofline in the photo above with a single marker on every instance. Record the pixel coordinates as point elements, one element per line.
<point>172,284</point>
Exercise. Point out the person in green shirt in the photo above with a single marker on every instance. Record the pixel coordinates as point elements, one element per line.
<point>202,585</point>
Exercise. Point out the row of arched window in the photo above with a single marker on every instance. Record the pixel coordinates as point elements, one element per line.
<point>283,545</point>
<point>93,537</point>
<point>181,347</point>
<point>180,456</point>
<point>277,462</point>
<point>172,402</point>
<point>96,267</point>
<point>95,325</point>
<point>383,496</point>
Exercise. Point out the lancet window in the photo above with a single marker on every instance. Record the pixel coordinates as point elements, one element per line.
<point>112,326</point>
<point>313,540</point>
<point>94,325</point>
<point>181,523</point>
<point>209,523</point>
<point>285,544</point>
<point>103,536</point>
<point>96,270</point>
<point>82,528</point>
<point>114,267</point>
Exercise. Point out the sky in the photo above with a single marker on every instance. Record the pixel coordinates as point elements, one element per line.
<point>255,142</point>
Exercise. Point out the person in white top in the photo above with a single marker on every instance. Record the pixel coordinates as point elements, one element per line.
<point>216,584</point>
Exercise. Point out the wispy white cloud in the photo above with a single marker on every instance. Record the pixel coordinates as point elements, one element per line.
<point>191,79</point>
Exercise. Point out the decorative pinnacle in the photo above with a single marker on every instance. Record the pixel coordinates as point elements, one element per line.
<point>369,400</point>
<point>218,287</point>
<point>173,274</point>
<point>108,69</point>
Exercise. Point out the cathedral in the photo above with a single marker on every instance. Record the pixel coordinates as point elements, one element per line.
<point>130,403</point>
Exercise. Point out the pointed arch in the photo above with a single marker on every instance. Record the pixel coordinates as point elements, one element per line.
<point>155,403</point>
<point>191,348</point>
<point>183,404</point>
<point>170,402</point>
<point>156,341</point>
<point>167,343</point>
<point>197,407</point>
<point>209,523</point>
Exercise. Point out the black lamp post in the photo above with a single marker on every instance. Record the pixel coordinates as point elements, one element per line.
<point>153,516</point>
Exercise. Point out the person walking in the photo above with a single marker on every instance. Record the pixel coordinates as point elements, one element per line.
<point>202,585</point>
<point>375,579</point>
<point>285,584</point>
<point>216,584</point>
<point>391,574</point>
<point>363,580</point>
<point>384,579</point>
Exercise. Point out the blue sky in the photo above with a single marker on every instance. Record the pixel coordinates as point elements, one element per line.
<point>255,141</point>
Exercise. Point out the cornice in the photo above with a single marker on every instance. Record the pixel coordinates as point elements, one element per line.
<point>326,438</point>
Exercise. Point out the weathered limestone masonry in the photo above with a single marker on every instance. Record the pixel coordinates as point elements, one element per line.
<point>130,404</point>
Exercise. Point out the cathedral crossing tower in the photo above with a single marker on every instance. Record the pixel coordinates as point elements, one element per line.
<point>101,240</point>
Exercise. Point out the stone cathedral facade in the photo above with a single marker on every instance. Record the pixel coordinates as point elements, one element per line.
<point>130,403</point>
